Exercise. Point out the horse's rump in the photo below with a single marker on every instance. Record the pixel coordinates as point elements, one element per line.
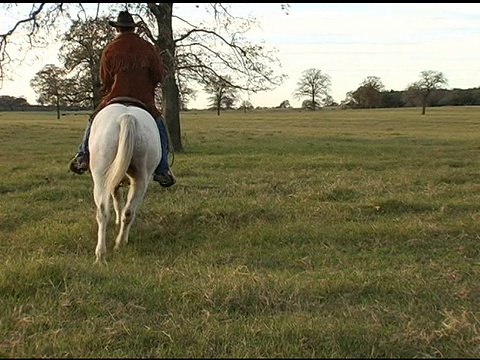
<point>105,134</point>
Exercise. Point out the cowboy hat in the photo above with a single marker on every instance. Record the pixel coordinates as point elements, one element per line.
<point>124,19</point>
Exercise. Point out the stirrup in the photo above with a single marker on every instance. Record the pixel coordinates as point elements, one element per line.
<point>165,180</point>
<point>79,164</point>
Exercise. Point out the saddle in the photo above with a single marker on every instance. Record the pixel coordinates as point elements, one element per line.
<point>130,101</point>
<point>125,100</point>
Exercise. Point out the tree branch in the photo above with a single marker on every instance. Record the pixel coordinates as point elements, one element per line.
<point>4,57</point>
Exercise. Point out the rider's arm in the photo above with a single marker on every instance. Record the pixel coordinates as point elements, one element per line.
<point>106,78</point>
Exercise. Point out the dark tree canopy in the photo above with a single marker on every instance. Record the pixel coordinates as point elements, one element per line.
<point>51,85</point>
<point>369,93</point>
<point>82,47</point>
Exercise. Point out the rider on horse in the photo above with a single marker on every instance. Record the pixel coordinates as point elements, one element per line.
<point>131,68</point>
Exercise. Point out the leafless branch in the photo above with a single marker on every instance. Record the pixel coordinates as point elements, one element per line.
<point>4,58</point>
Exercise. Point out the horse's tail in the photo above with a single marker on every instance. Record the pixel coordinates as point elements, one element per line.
<point>126,141</point>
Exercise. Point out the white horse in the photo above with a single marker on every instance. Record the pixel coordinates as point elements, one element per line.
<point>124,147</point>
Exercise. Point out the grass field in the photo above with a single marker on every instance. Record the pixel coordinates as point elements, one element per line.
<point>336,233</point>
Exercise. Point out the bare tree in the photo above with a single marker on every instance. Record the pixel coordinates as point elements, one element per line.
<point>315,85</point>
<point>246,105</point>
<point>50,84</point>
<point>186,94</point>
<point>430,80</point>
<point>194,52</point>
<point>222,94</point>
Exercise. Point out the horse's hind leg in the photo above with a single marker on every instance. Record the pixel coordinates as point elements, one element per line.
<point>101,198</point>
<point>117,197</point>
<point>136,192</point>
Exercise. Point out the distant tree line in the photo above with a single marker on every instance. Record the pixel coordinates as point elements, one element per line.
<point>439,97</point>
<point>314,87</point>
<point>12,103</point>
<point>383,99</point>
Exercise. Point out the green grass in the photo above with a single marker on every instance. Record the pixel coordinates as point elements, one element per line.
<point>288,234</point>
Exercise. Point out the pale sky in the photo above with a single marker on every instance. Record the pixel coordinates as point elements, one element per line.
<point>346,41</point>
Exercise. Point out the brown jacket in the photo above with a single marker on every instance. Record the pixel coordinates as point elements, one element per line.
<point>131,66</point>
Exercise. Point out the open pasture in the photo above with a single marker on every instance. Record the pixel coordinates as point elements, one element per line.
<point>293,234</point>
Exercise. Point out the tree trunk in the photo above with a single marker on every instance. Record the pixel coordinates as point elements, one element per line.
<point>171,111</point>
<point>424,103</point>
<point>57,100</point>
<point>170,93</point>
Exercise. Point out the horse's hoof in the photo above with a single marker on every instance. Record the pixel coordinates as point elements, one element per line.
<point>101,261</point>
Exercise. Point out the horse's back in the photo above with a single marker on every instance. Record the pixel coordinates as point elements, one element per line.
<point>105,132</point>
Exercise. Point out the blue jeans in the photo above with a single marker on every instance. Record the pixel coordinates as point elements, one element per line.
<point>83,148</point>
<point>162,168</point>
